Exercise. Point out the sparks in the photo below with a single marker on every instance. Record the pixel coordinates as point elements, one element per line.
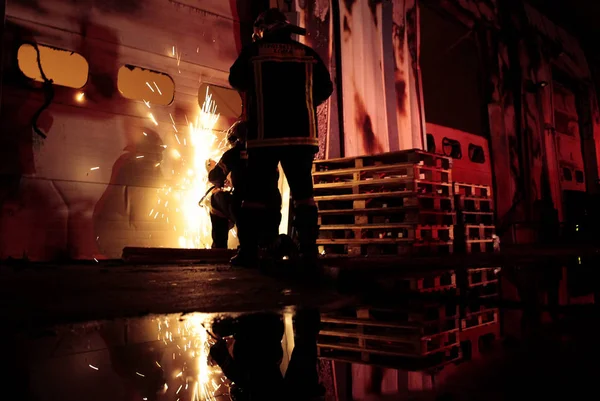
<point>157,164</point>
<point>157,88</point>
<point>152,118</point>
<point>96,260</point>
<point>139,157</point>
<point>179,374</point>
<point>93,367</point>
<point>179,389</point>
<point>95,168</point>
<point>144,134</point>
<point>150,86</point>
<point>158,364</point>
<point>146,103</point>
<point>139,374</point>
<point>178,141</point>
<point>173,51</point>
<point>80,96</point>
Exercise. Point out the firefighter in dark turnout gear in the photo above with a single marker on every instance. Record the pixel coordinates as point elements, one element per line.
<point>226,204</point>
<point>284,82</point>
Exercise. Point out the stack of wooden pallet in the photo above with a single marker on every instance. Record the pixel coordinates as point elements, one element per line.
<point>391,203</point>
<point>414,335</point>
<point>475,230</point>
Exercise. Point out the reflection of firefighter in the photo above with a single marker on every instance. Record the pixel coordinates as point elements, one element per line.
<point>254,365</point>
<point>284,81</point>
<point>225,204</point>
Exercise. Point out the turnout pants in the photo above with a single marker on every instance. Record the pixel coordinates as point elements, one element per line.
<point>225,208</point>
<point>262,188</point>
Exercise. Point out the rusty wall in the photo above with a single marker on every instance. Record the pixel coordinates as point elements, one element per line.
<point>316,17</point>
<point>522,52</point>
<point>382,105</point>
<point>52,204</point>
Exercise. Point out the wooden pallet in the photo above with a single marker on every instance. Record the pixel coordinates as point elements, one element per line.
<point>480,318</point>
<point>413,156</point>
<point>472,190</point>
<point>467,217</point>
<point>385,215</point>
<point>383,185</point>
<point>382,246</point>
<point>368,231</point>
<point>393,199</point>
<point>434,233</point>
<point>471,204</point>
<point>394,171</point>
<point>479,232</point>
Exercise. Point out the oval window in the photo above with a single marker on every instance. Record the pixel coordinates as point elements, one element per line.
<point>63,67</point>
<point>476,154</point>
<point>452,148</point>
<point>138,83</point>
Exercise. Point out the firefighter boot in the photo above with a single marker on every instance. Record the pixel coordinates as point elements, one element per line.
<point>306,223</point>
<point>247,256</point>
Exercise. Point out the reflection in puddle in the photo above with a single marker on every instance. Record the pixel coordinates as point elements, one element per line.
<point>390,345</point>
<point>165,358</point>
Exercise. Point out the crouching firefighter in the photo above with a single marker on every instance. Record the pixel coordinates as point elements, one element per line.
<point>225,204</point>
<point>284,82</point>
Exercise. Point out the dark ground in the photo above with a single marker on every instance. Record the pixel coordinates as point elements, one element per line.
<point>59,294</point>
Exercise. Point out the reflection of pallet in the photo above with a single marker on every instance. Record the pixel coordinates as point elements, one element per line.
<point>385,215</point>
<point>385,200</point>
<point>384,333</point>
<point>480,246</point>
<point>475,204</point>
<point>479,232</point>
<point>432,316</point>
<point>409,172</point>
<point>431,282</point>
<point>485,218</point>
<point>480,318</point>
<point>482,276</point>
<point>385,184</point>
<point>414,156</point>
<point>390,360</point>
<point>383,246</point>
<point>472,190</point>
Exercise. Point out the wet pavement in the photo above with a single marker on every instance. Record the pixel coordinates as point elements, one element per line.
<point>54,294</point>
<point>209,333</point>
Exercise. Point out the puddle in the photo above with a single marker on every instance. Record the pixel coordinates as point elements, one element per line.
<point>389,347</point>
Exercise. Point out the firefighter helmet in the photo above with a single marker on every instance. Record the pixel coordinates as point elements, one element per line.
<point>237,132</point>
<point>269,21</point>
<point>273,21</point>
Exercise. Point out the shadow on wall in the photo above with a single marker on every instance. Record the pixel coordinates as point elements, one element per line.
<point>124,215</point>
<point>30,221</point>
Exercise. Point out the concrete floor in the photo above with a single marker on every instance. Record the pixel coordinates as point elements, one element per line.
<point>61,294</point>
